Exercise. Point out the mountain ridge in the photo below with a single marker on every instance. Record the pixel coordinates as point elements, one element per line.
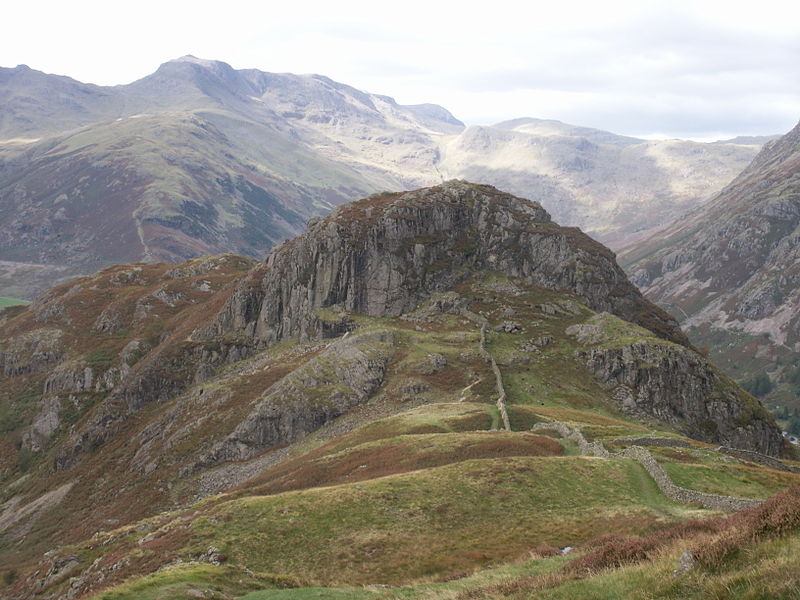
<point>354,355</point>
<point>729,267</point>
<point>304,143</point>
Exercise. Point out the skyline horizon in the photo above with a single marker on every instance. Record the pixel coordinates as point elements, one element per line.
<point>648,136</point>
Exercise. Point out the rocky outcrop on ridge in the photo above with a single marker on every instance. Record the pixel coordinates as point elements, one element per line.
<point>652,378</point>
<point>730,271</point>
<point>383,255</point>
<point>680,388</point>
<point>346,374</point>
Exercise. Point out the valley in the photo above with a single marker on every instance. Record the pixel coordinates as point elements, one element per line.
<point>728,272</point>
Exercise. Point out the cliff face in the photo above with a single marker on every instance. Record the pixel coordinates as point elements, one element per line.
<point>383,255</point>
<point>656,379</point>
<point>731,269</point>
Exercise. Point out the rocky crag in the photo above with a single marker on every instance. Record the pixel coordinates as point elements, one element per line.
<point>383,255</point>
<point>729,271</point>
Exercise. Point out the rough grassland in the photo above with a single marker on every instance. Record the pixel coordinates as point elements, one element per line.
<point>433,522</point>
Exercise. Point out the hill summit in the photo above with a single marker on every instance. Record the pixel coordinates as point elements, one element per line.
<point>457,309</point>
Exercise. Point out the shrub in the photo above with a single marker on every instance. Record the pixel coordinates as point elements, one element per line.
<point>24,459</point>
<point>611,551</point>
<point>778,516</point>
<point>759,386</point>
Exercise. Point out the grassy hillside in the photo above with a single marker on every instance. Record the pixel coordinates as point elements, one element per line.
<point>11,302</point>
<point>415,487</point>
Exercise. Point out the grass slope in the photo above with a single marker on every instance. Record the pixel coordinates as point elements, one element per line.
<point>410,488</point>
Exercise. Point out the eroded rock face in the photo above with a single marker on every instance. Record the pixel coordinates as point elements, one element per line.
<point>679,387</point>
<point>730,269</point>
<point>383,255</point>
<point>35,352</point>
<point>345,375</point>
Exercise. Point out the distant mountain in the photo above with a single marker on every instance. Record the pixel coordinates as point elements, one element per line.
<point>730,271</point>
<point>34,104</point>
<point>604,183</point>
<point>202,158</point>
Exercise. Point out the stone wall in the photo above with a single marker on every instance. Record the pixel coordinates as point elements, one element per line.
<point>656,471</point>
<point>498,377</point>
<point>663,442</point>
<point>759,458</point>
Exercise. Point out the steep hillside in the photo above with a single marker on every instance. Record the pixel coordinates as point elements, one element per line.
<point>199,158</point>
<point>362,370</point>
<point>730,270</point>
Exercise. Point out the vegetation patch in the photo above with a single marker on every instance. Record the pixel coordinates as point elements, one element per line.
<point>195,580</point>
<point>404,527</point>
<point>12,302</point>
<point>732,480</point>
<point>398,455</point>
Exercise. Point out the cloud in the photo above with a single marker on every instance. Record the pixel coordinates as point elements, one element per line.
<point>634,67</point>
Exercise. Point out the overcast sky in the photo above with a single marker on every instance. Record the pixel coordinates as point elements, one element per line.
<point>705,69</point>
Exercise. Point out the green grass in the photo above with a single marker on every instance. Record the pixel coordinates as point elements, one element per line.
<point>314,594</point>
<point>183,580</point>
<point>401,454</point>
<point>434,522</point>
<point>423,526</point>
<point>11,302</point>
<point>765,571</point>
<point>745,482</point>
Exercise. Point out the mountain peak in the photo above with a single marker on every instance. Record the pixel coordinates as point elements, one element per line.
<point>203,62</point>
<point>383,255</point>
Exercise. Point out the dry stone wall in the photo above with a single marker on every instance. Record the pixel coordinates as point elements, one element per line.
<point>656,471</point>
<point>759,458</point>
<point>498,377</point>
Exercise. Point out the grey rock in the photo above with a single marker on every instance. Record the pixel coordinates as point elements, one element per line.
<point>679,387</point>
<point>383,255</point>
<point>509,327</point>
<point>685,565</point>
<point>345,375</point>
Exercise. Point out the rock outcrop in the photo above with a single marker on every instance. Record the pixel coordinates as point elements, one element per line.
<point>652,378</point>
<point>679,387</point>
<point>383,255</point>
<point>730,270</point>
<point>346,374</point>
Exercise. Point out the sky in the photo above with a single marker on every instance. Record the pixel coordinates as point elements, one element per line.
<point>703,70</point>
